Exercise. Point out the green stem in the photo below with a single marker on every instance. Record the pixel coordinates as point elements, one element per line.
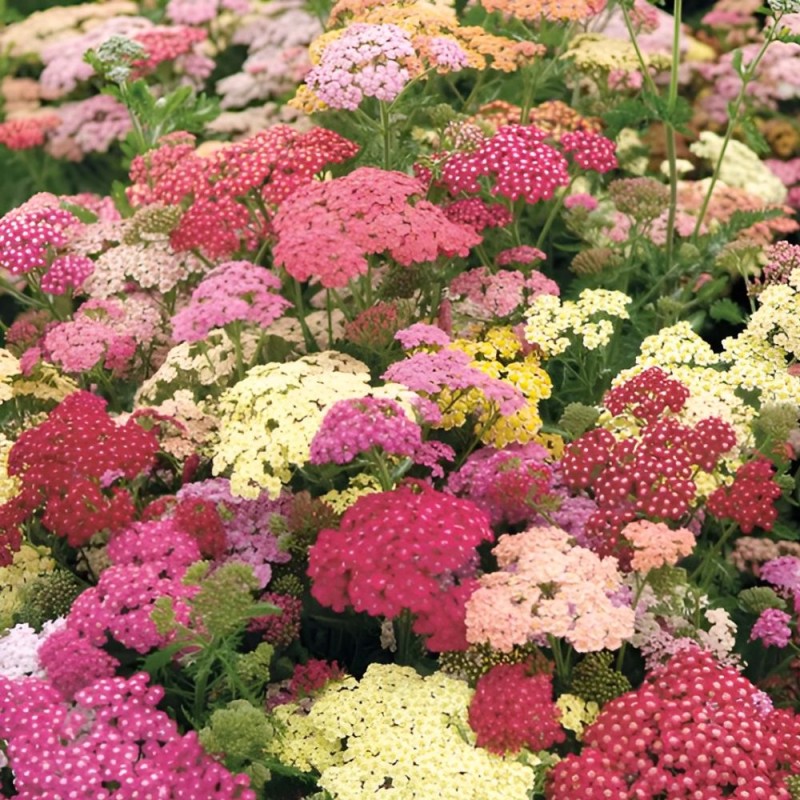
<point>308,338</point>
<point>405,637</point>
<point>733,120</point>
<point>551,217</point>
<point>386,132</point>
<point>704,573</point>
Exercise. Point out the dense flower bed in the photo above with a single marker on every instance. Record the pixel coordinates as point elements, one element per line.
<point>400,399</point>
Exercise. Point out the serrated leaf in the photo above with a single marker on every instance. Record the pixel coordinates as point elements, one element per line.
<point>753,137</point>
<point>726,310</point>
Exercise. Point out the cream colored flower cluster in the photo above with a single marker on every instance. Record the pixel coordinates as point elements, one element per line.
<point>396,730</point>
<point>552,324</point>
<point>741,167</point>
<point>268,419</point>
<point>547,586</point>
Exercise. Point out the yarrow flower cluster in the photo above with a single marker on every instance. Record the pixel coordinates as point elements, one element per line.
<point>111,735</point>
<point>552,324</point>
<point>236,291</point>
<point>693,729</point>
<point>409,549</point>
<point>69,468</point>
<point>353,428</point>
<point>268,419</point>
<point>32,236</point>
<point>364,61</point>
<point>272,164</point>
<point>512,709</point>
<point>548,586</point>
<point>750,499</point>
<point>327,230</point>
<point>652,470</point>
<point>394,725</point>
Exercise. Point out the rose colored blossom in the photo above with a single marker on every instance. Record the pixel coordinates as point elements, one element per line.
<point>524,254</point>
<point>772,628</point>
<point>272,164</point>
<point>236,291</point>
<point>111,734</point>
<point>518,161</point>
<point>283,628</point>
<point>25,133</point>
<point>398,550</point>
<point>512,709</point>
<point>581,201</point>
<point>590,151</point>
<point>65,273</point>
<point>420,334</point>
<point>30,233</point>
<point>327,229</point>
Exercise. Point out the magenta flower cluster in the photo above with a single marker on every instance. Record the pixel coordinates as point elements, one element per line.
<point>235,291</point>
<point>354,427</point>
<point>111,742</point>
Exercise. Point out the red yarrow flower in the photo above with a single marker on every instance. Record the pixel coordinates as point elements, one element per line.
<point>396,551</point>
<point>67,467</point>
<point>512,709</point>
<point>750,500</point>
<point>694,729</point>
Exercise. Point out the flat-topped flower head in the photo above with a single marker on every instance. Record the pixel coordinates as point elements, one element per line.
<point>327,230</point>
<point>236,291</point>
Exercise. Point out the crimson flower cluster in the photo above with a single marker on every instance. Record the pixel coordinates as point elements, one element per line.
<point>69,469</point>
<point>694,729</point>
<point>750,500</point>
<point>521,162</point>
<point>271,165</point>
<point>326,230</point>
<point>512,709</point>
<point>112,741</point>
<point>409,549</point>
<point>651,474</point>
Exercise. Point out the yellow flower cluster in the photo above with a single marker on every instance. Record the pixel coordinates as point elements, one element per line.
<point>576,713</point>
<point>358,486</point>
<point>9,486</point>
<point>552,324</point>
<point>29,564</point>
<point>268,419</point>
<point>596,54</point>
<point>396,728</point>
<point>499,354</point>
<point>46,384</point>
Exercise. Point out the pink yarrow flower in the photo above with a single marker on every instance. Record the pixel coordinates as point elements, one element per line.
<point>236,291</point>
<point>326,230</point>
